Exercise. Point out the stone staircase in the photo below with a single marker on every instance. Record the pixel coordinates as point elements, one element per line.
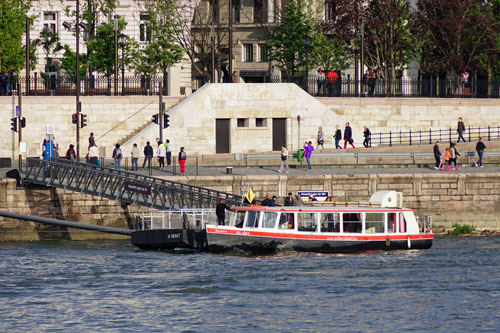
<point>147,123</point>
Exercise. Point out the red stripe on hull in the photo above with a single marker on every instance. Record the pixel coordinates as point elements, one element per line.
<point>337,237</point>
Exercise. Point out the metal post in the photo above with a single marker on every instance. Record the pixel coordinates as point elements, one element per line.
<point>160,112</point>
<point>116,53</point>
<point>78,80</point>
<point>27,58</point>
<point>19,128</point>
<point>231,39</point>
<point>197,165</point>
<point>362,49</point>
<point>212,39</point>
<point>123,69</point>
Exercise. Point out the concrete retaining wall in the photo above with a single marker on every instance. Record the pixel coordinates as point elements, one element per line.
<point>449,198</point>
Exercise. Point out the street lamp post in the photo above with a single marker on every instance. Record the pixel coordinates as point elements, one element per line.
<point>362,48</point>
<point>115,28</point>
<point>212,39</point>
<point>307,43</point>
<point>123,40</point>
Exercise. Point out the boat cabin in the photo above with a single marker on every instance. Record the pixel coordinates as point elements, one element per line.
<point>355,220</point>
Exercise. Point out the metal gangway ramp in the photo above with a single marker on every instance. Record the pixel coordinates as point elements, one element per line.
<point>123,186</point>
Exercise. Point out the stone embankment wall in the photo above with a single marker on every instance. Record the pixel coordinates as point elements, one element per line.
<point>449,198</point>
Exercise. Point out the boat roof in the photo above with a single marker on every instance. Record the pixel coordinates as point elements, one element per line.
<point>318,209</point>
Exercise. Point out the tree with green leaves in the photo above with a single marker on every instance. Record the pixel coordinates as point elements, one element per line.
<point>12,28</point>
<point>50,43</point>
<point>68,63</point>
<point>329,52</point>
<point>285,42</point>
<point>162,50</point>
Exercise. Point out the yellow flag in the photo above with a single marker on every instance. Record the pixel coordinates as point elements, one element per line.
<point>250,195</point>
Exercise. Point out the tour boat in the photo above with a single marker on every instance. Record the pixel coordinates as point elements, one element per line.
<point>325,229</point>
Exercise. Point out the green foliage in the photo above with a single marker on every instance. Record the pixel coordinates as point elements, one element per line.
<point>68,63</point>
<point>461,229</point>
<point>12,28</point>
<point>102,47</point>
<point>329,53</point>
<point>286,41</point>
<point>162,50</point>
<point>50,43</point>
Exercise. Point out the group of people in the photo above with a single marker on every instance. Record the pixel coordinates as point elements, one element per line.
<point>369,82</point>
<point>332,80</point>
<point>7,82</point>
<point>451,154</point>
<point>347,137</point>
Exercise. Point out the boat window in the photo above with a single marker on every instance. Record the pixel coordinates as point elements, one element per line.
<point>352,222</point>
<point>329,222</point>
<point>374,223</point>
<point>286,221</point>
<point>402,223</point>
<point>252,220</point>
<point>306,221</point>
<point>269,220</point>
<point>391,223</point>
<point>237,219</point>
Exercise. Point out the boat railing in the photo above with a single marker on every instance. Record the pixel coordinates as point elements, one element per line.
<point>424,223</point>
<point>342,203</point>
<point>177,219</point>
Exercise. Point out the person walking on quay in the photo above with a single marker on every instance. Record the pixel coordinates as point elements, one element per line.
<point>337,136</point>
<point>94,154</point>
<point>366,82</point>
<point>168,147</point>
<point>320,138</point>
<point>135,157</point>
<point>220,211</point>
<point>117,155</point>
<point>454,155</point>
<point>437,155</point>
<point>91,140</point>
<point>148,155</point>
<point>162,153</point>
<point>480,147</point>
<point>70,153</point>
<point>460,129</point>
<point>332,81</point>
<point>284,159</point>
<point>320,79</point>
<point>368,137</point>
<point>309,148</point>
<point>182,160</point>
<point>348,136</point>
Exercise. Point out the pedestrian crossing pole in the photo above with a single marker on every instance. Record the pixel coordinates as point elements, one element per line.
<point>160,111</point>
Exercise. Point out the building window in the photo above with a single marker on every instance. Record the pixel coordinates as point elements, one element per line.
<point>258,11</point>
<point>329,10</point>
<point>243,122</point>
<point>50,21</point>
<point>248,52</point>
<point>263,53</point>
<point>260,122</point>
<point>144,28</point>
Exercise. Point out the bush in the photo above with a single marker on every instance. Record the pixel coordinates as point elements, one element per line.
<point>461,229</point>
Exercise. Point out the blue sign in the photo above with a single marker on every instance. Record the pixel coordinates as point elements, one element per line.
<point>315,195</point>
<point>18,110</point>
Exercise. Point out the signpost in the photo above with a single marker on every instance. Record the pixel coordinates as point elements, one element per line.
<point>318,195</point>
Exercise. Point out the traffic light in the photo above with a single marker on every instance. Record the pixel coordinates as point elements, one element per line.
<point>13,124</point>
<point>165,120</point>
<point>74,119</point>
<point>83,120</point>
<point>23,122</point>
<point>155,118</point>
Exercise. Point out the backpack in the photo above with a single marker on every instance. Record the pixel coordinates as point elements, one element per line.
<point>118,153</point>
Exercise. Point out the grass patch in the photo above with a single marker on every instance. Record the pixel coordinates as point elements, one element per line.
<point>462,229</point>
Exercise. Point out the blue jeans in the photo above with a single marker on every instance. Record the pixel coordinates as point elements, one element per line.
<point>480,160</point>
<point>134,163</point>
<point>308,159</point>
<point>118,162</point>
<point>337,144</point>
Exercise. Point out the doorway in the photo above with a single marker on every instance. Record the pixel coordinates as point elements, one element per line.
<point>279,133</point>
<point>222,136</point>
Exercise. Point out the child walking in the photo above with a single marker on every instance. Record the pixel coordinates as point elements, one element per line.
<point>447,156</point>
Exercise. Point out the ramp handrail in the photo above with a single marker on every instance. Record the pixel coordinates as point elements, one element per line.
<point>127,187</point>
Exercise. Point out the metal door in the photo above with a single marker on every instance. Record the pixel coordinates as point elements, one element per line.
<point>222,136</point>
<point>279,133</point>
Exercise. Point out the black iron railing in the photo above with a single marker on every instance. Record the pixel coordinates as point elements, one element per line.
<point>404,87</point>
<point>55,85</point>
<point>430,136</point>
